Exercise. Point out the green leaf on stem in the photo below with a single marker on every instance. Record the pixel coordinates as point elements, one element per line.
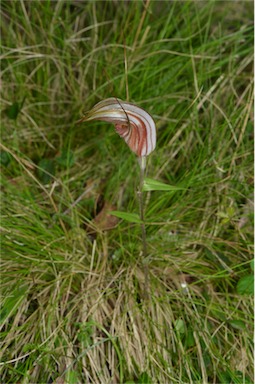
<point>154,185</point>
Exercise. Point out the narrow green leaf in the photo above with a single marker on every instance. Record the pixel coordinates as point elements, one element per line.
<point>12,302</point>
<point>154,185</point>
<point>237,324</point>
<point>180,326</point>
<point>245,285</point>
<point>189,340</point>
<point>131,217</point>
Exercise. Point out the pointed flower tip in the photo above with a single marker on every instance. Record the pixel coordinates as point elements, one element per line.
<point>132,123</point>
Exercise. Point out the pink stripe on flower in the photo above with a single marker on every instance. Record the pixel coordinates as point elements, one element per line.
<point>132,123</point>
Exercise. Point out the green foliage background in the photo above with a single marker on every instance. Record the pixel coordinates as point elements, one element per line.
<point>72,308</point>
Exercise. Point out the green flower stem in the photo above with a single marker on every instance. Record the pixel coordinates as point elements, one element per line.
<point>142,162</point>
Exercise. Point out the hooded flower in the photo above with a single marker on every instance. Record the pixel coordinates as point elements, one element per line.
<point>132,123</point>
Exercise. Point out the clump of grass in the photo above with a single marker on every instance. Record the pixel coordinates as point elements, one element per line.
<point>72,305</point>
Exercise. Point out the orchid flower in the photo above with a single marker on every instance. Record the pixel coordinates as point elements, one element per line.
<point>132,123</point>
<point>137,128</point>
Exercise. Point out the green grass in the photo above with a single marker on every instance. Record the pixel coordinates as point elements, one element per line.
<point>72,309</point>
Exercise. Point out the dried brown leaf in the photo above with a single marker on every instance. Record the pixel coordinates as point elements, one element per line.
<point>104,220</point>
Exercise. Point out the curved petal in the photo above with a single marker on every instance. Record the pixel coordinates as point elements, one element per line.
<point>132,123</point>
